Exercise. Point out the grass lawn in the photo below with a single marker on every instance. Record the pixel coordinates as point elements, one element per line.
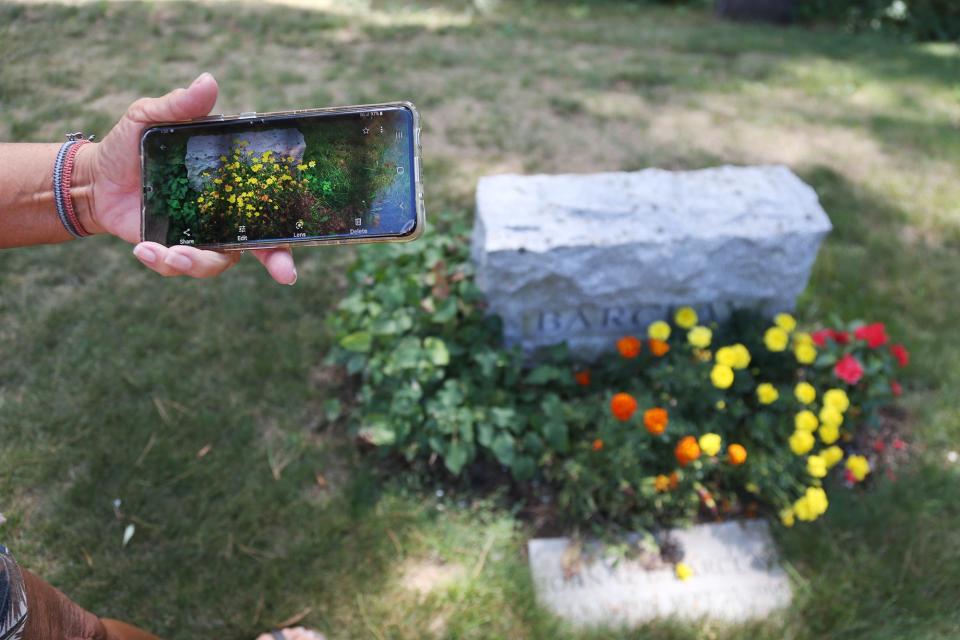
<point>113,380</point>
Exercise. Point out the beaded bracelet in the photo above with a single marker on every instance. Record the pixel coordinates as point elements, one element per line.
<point>62,179</point>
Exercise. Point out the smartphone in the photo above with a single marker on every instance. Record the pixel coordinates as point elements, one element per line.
<point>289,178</point>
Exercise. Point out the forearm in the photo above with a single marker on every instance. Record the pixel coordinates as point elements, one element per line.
<point>28,214</point>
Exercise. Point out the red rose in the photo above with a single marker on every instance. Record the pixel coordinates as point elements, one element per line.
<point>901,354</point>
<point>875,334</point>
<point>841,337</point>
<point>895,388</point>
<point>848,369</point>
<point>820,337</point>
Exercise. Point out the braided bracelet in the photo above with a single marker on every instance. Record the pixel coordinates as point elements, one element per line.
<point>62,178</point>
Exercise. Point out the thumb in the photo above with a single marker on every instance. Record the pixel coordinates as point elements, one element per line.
<point>180,104</point>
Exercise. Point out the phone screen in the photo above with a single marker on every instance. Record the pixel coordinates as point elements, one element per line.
<point>281,178</point>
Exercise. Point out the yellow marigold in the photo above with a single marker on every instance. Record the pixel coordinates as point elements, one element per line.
<point>838,399</point>
<point>252,180</point>
<point>232,199</point>
<point>801,442</point>
<point>228,188</point>
<point>786,517</point>
<point>832,455</point>
<point>805,421</point>
<point>767,393</point>
<point>802,337</point>
<point>312,164</point>
<point>302,167</point>
<point>816,466</point>
<point>661,483</point>
<point>805,353</point>
<point>741,356</point>
<point>683,571</point>
<point>775,339</point>
<point>710,444</point>
<point>830,415</point>
<point>785,321</point>
<point>858,467</point>
<point>700,337</point>
<point>685,317</point>
<point>805,393</point>
<point>721,376</point>
<point>726,356</point>
<point>811,505</point>
<point>829,433</point>
<point>200,199</point>
<point>737,455</point>
<point>659,330</point>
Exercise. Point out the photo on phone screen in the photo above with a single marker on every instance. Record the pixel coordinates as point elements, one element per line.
<point>281,178</point>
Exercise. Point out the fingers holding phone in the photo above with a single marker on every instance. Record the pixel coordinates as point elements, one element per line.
<point>184,261</point>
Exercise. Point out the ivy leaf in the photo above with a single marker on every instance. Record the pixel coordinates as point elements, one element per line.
<point>358,341</point>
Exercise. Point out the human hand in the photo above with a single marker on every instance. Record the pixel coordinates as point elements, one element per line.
<point>113,168</point>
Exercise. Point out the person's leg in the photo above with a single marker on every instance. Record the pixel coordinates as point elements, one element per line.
<point>52,615</point>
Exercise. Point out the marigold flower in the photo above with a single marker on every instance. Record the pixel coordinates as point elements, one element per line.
<point>767,393</point>
<point>685,317</point>
<point>775,339</point>
<point>785,321</point>
<point>805,353</point>
<point>786,517</point>
<point>838,399</point>
<point>721,376</point>
<point>674,480</point>
<point>811,505</point>
<point>623,406</point>
<point>805,393</point>
<point>874,334</point>
<point>858,467</point>
<point>737,454</point>
<point>597,445</point>
<point>582,377</point>
<point>806,421</point>
<point>710,444</point>
<point>687,450</point>
<point>816,466</point>
<point>900,354</point>
<point>727,356</point>
<point>832,455</point>
<point>700,337</point>
<point>848,369</point>
<point>830,415</point>
<point>829,433</point>
<point>658,348</point>
<point>656,420</point>
<point>801,442</point>
<point>659,330</point>
<point>629,346</point>
<point>661,483</point>
<point>741,356</point>
<point>683,571</point>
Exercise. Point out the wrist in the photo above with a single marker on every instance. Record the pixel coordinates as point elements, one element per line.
<point>82,188</point>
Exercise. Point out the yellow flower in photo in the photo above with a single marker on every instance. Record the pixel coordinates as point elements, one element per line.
<point>786,517</point>
<point>710,444</point>
<point>223,158</point>
<point>685,317</point>
<point>804,392</point>
<point>721,376</point>
<point>829,433</point>
<point>270,180</point>
<point>775,339</point>
<point>801,442</point>
<point>816,466</point>
<point>802,337</point>
<point>829,415</point>
<point>767,393</point>
<point>838,399</point>
<point>218,181</point>
<point>659,330</point>
<point>256,167</point>
<point>312,164</point>
<point>741,356</point>
<point>832,455</point>
<point>228,188</point>
<point>726,356</point>
<point>858,466</point>
<point>805,353</point>
<point>252,180</point>
<point>683,571</point>
<point>232,199</point>
<point>785,321</point>
<point>806,421</point>
<point>200,199</point>
<point>703,355</point>
<point>301,167</point>
<point>811,505</point>
<point>700,337</point>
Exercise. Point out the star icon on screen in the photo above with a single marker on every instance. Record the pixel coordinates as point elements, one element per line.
<point>366,130</point>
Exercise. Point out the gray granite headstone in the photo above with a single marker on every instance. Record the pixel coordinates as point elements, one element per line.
<point>736,577</point>
<point>589,258</point>
<point>203,152</point>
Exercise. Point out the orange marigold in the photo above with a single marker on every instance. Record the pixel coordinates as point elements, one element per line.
<point>655,420</point>
<point>582,377</point>
<point>597,444</point>
<point>674,480</point>
<point>661,483</point>
<point>687,450</point>
<point>623,406</point>
<point>629,346</point>
<point>736,454</point>
<point>658,347</point>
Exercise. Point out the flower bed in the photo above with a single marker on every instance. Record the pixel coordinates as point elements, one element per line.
<point>685,420</point>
